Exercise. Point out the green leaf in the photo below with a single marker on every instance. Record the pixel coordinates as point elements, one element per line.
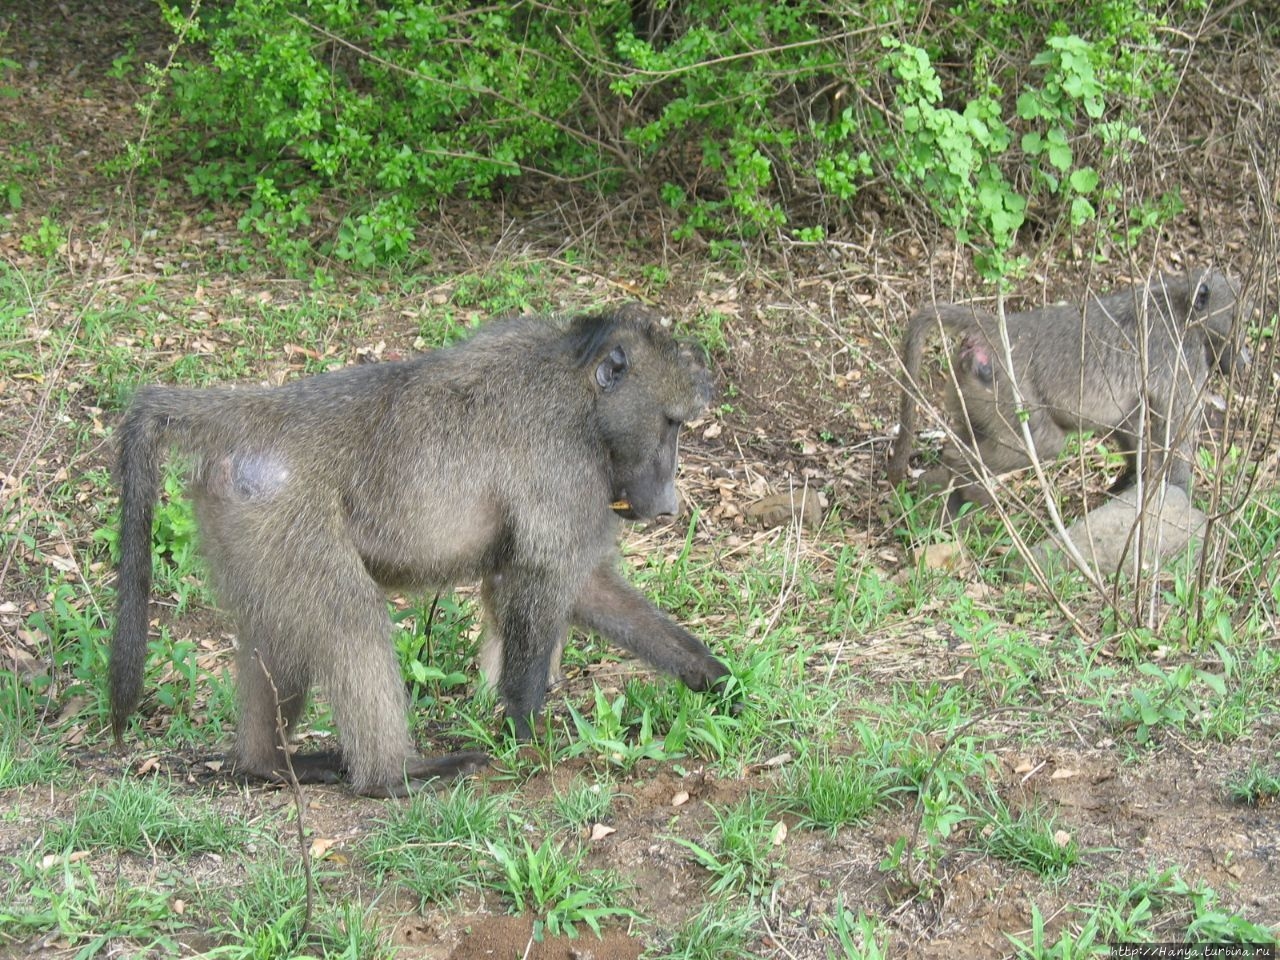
<point>1082,211</point>
<point>1215,682</point>
<point>1060,156</point>
<point>1084,180</point>
<point>1029,107</point>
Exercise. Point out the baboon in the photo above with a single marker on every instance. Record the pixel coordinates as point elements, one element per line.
<point>1139,353</point>
<point>505,459</point>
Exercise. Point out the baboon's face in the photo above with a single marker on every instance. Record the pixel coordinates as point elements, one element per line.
<point>645,487</point>
<point>648,391</point>
<point>1215,302</point>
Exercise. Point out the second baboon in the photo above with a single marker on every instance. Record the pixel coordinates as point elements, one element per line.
<point>1127,365</point>
<point>505,458</point>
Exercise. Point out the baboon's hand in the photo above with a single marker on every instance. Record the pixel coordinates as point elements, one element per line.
<point>706,673</point>
<point>718,680</point>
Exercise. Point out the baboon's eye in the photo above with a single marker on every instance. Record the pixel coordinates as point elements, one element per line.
<point>1202,296</point>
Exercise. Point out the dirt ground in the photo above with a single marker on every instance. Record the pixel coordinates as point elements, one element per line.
<point>807,332</point>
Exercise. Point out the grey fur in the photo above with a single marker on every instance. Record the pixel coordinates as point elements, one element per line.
<point>1139,351</point>
<point>500,459</point>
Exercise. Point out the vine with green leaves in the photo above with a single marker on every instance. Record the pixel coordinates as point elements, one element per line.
<point>743,119</point>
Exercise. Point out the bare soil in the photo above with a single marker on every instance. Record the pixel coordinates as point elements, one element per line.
<point>808,357</point>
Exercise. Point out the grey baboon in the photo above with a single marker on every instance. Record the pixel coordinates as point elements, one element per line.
<point>1138,355</point>
<point>504,459</point>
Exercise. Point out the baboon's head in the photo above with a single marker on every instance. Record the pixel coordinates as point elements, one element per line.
<point>646,387</point>
<point>1213,301</point>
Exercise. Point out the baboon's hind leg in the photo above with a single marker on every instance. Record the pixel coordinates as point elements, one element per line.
<point>344,626</point>
<point>327,624</point>
<point>998,447</point>
<point>272,692</point>
<point>358,669</point>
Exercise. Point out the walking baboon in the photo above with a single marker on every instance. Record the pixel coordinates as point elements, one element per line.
<point>503,459</point>
<point>1133,363</point>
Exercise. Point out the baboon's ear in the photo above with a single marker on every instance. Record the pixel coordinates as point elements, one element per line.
<point>1202,297</point>
<point>612,368</point>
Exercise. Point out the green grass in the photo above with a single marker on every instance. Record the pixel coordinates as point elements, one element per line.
<point>1218,701</point>
<point>828,793</point>
<point>841,783</point>
<point>719,932</point>
<point>857,937</point>
<point>741,853</point>
<point>550,881</point>
<point>1028,837</point>
<point>434,647</point>
<point>1142,911</point>
<point>708,328</point>
<point>144,817</point>
<point>266,917</point>
<point>1068,945</point>
<point>440,846</point>
<point>434,845</point>
<point>1140,908</point>
<point>519,286</point>
<point>611,737</point>
<point>61,896</point>
<point>1259,785</point>
<point>27,760</point>
<point>584,802</point>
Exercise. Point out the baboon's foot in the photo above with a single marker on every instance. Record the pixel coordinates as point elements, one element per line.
<point>423,772</point>
<point>324,767</point>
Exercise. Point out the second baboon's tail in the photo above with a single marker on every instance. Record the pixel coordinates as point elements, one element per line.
<point>948,316</point>
<point>912,353</point>
<point>140,445</point>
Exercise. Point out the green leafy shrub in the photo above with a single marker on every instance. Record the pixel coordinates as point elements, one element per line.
<point>743,118</point>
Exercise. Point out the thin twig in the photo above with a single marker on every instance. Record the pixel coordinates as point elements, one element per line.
<point>282,733</point>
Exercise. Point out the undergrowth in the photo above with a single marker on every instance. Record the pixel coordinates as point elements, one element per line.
<point>793,110</point>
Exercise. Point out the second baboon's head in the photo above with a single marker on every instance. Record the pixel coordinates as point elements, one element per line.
<point>647,385</point>
<point>1211,300</point>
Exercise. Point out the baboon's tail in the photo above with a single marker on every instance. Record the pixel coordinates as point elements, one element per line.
<point>141,451</point>
<point>945,316</point>
<point>912,353</point>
